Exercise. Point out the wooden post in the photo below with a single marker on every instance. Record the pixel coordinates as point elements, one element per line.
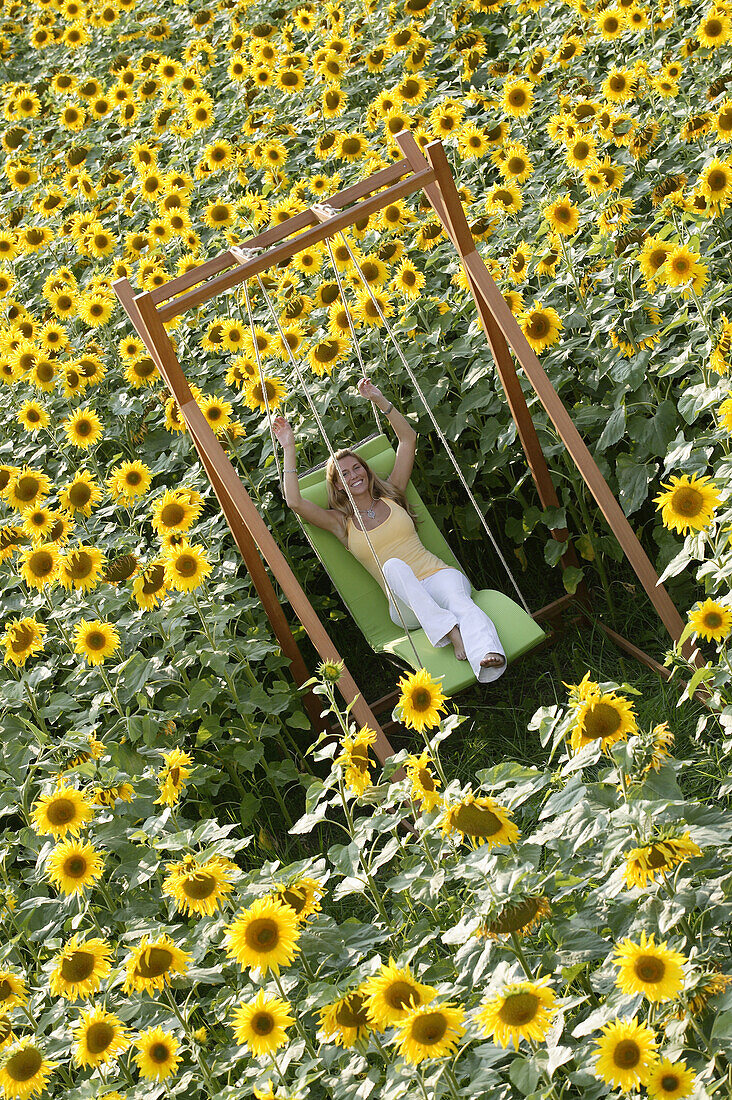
<point>236,502</point>
<point>445,201</point>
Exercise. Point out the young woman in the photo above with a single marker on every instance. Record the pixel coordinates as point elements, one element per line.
<point>430,593</point>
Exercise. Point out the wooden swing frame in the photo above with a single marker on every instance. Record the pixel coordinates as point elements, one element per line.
<point>416,171</point>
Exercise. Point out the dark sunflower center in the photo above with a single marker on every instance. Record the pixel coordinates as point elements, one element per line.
<point>421,699</point>
<point>519,1009</point>
<point>713,28</point>
<point>360,758</point>
<point>80,564</point>
<point>428,783</point>
<point>154,962</point>
<point>649,968</point>
<point>401,995</point>
<point>263,1023</point>
<point>199,885</point>
<point>22,637</point>
<point>133,478</point>
<point>429,1028</point>
<point>61,811</point>
<point>186,565</point>
<point>6,990</point>
<point>75,867</point>
<point>515,917</point>
<point>77,967</point>
<point>99,1036</point>
<point>24,1065</point>
<point>352,1013</point>
<point>95,640</point>
<point>472,820</point>
<point>670,1082</point>
<point>626,1054</point>
<point>173,514</point>
<point>159,1052</point>
<point>263,934</point>
<point>26,488</point>
<point>601,720</point>
<point>41,563</point>
<point>687,501</point>
<point>538,326</point>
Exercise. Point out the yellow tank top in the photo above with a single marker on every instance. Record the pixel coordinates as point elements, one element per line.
<point>396,537</point>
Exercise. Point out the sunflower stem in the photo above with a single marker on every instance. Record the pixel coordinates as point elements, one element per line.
<point>519,953</point>
<point>453,1087</point>
<point>375,895</point>
<point>298,1022</point>
<point>111,691</point>
<point>196,1053</point>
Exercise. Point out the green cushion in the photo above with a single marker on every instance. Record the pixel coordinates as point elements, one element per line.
<point>369,606</point>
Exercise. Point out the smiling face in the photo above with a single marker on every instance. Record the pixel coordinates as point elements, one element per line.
<point>353,474</point>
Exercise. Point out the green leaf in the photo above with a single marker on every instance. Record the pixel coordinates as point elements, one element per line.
<point>524,1075</point>
<point>571,578</point>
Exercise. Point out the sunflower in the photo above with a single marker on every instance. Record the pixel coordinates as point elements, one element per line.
<point>480,819</point>
<point>541,326</point>
<point>354,758</point>
<point>40,565</point>
<point>64,811</point>
<point>714,30</point>
<point>393,993</point>
<point>626,1053</point>
<point>32,416</point>
<point>688,503</point>
<point>715,183</point>
<point>198,888</point>
<point>81,568</point>
<point>605,717</point>
<point>186,567</point>
<point>323,355</point>
<point>263,936</point>
<point>424,783</point>
<point>346,1019</point>
<point>254,394</point>
<point>12,991</point>
<point>430,1031</point>
<point>83,428</point>
<point>517,918</point>
<point>302,896</point>
<point>562,215</point>
<point>648,862</point>
<point>682,266</point>
<point>261,1024</point>
<point>173,776</point>
<point>26,487</point>
<point>669,1080</point>
<point>80,967</point>
<point>174,512</point>
<point>24,1070</point>
<point>23,638</point>
<point>522,1010</point>
<point>99,1037</point>
<point>149,588</point>
<point>420,701</point>
<point>6,1032</point>
<point>711,620</point>
<point>73,865</point>
<point>518,98</point>
<point>151,965</point>
<point>651,969</point>
<point>504,199</point>
<point>95,640</point>
<point>652,258</point>
<point>157,1056</point>
<point>128,481</point>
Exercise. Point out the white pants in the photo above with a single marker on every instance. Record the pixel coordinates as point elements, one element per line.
<point>439,603</point>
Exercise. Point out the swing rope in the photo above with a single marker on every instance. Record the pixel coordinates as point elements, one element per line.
<point>329,211</point>
<point>243,255</point>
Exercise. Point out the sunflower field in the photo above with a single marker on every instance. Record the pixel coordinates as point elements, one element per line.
<point>199,897</point>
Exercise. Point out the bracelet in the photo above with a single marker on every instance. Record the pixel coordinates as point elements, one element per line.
<point>284,471</point>
<point>387,411</point>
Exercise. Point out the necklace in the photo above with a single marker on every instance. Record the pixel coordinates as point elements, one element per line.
<point>370,511</point>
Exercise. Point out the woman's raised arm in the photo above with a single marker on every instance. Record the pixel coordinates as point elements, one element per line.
<point>405,433</point>
<point>326,518</point>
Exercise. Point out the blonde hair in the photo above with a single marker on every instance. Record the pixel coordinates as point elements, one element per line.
<point>378,487</point>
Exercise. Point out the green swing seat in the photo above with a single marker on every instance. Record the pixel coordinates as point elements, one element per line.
<point>369,606</point>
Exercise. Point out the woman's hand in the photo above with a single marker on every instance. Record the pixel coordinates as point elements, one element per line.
<point>369,390</point>
<point>283,432</point>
